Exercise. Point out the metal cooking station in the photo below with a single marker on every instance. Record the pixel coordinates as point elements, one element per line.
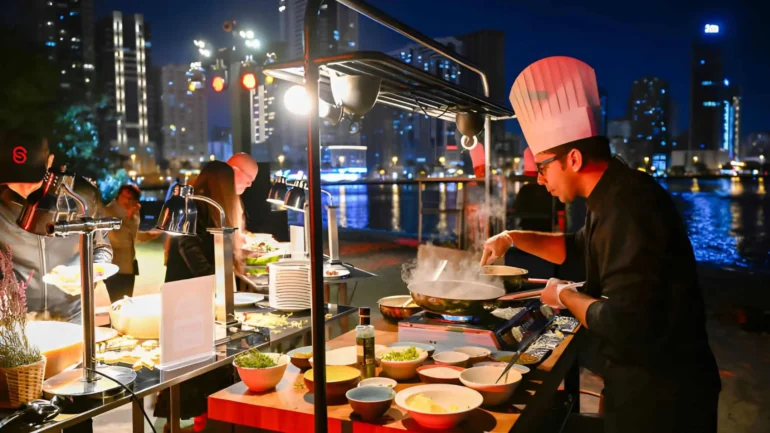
<point>149,382</point>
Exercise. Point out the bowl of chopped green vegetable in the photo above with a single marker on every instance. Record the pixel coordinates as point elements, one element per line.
<point>260,371</point>
<point>401,363</point>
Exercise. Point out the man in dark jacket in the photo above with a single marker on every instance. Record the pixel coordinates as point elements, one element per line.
<point>641,298</point>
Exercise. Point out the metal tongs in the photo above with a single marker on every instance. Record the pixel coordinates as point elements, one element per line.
<point>522,348</point>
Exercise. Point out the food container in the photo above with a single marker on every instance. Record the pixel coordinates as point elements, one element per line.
<point>393,310</point>
<point>138,316</point>
<point>370,402</point>
<point>438,373</point>
<point>262,379</point>
<point>339,380</point>
<point>456,401</point>
<point>451,358</point>
<point>402,370</point>
<point>483,379</point>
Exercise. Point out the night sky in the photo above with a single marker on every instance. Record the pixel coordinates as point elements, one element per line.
<point>622,42</point>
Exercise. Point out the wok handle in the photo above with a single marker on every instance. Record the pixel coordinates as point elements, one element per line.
<point>535,281</point>
<point>521,295</point>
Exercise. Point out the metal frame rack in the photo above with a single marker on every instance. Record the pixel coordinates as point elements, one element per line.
<point>402,86</point>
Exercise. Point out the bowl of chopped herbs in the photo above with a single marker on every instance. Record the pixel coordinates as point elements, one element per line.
<point>260,371</point>
<point>401,363</point>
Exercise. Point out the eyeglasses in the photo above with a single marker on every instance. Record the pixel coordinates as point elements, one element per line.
<point>542,165</point>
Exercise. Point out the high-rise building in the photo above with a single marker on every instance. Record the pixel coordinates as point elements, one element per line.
<point>221,143</point>
<point>420,139</point>
<point>337,32</point>
<point>66,30</point>
<point>484,48</point>
<point>756,144</point>
<point>184,128</point>
<point>649,113</point>
<point>263,112</point>
<point>123,61</point>
<point>714,101</point>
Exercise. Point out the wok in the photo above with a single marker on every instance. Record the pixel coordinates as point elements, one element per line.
<point>512,277</point>
<point>461,298</point>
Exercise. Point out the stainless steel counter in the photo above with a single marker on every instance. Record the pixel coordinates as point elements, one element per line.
<point>149,382</point>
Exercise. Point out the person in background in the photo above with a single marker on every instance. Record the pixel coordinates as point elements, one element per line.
<point>534,205</point>
<point>245,170</point>
<point>193,256</point>
<point>126,207</point>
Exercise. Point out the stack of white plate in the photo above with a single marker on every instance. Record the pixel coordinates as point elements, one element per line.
<point>289,286</point>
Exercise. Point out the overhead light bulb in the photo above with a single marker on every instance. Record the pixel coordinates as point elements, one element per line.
<point>297,101</point>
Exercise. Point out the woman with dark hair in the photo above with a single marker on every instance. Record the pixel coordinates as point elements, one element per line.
<point>193,256</point>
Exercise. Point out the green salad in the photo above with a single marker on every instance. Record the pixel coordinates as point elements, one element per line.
<point>254,359</point>
<point>409,354</point>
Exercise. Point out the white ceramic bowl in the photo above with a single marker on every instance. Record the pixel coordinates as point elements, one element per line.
<point>452,358</point>
<point>262,379</point>
<point>445,396</point>
<point>379,381</point>
<point>476,354</point>
<point>482,379</point>
<point>523,369</point>
<point>346,356</point>
<point>402,370</point>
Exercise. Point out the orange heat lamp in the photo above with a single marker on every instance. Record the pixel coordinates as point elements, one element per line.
<point>249,80</point>
<point>218,84</point>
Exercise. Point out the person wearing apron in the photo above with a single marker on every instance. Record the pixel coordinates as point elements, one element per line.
<point>641,300</point>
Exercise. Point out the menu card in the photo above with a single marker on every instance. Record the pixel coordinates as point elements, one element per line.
<point>187,322</point>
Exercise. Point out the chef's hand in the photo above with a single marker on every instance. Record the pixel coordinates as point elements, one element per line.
<point>496,247</point>
<point>554,287</point>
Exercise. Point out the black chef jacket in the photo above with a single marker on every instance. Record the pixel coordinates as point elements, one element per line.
<point>650,317</point>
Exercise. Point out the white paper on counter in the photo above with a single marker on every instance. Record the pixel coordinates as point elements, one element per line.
<point>297,238</point>
<point>187,322</point>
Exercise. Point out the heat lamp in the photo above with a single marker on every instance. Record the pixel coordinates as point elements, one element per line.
<point>56,210</point>
<point>178,217</point>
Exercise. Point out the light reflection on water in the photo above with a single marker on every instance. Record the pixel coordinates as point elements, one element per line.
<point>726,219</point>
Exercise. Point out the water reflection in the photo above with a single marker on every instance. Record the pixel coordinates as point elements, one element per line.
<point>726,218</point>
<point>395,221</point>
<point>343,220</point>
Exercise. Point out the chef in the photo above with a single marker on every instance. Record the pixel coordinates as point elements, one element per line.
<point>641,298</point>
<point>21,174</point>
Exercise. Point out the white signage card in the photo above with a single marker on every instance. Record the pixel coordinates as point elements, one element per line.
<point>187,322</point>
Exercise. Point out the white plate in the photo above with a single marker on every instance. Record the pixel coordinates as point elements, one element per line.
<point>246,299</point>
<point>72,274</point>
<point>341,273</point>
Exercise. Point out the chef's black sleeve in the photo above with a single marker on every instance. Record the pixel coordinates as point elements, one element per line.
<point>575,247</point>
<point>632,239</point>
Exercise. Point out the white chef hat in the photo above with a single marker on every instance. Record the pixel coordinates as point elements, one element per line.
<point>556,101</point>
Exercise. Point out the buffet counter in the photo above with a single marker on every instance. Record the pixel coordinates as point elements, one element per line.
<point>149,382</point>
<point>289,407</point>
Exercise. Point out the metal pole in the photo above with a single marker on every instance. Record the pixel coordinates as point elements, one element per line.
<point>87,305</point>
<point>488,170</point>
<point>419,211</point>
<point>314,215</point>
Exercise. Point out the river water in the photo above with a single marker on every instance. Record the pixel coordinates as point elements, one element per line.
<point>727,219</point>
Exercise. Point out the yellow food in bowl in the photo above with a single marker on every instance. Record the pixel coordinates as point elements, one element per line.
<point>306,355</point>
<point>422,403</point>
<point>335,373</point>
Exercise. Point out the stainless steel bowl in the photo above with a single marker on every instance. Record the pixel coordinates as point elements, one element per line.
<point>392,309</point>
